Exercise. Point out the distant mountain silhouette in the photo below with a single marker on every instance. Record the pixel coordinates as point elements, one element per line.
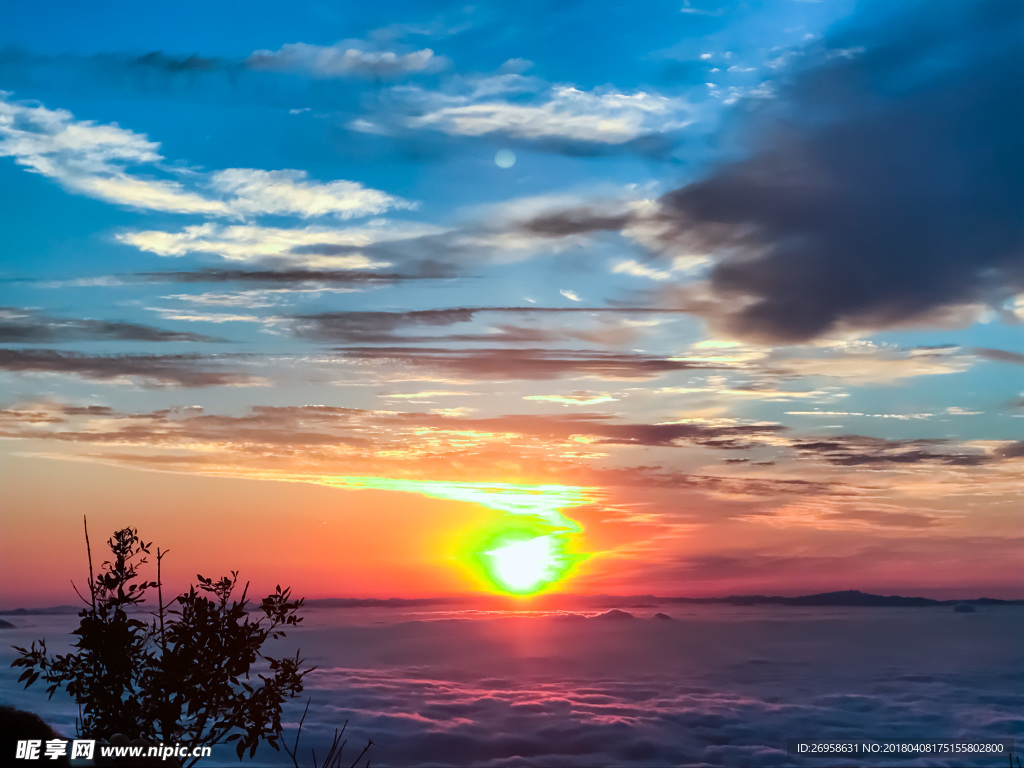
<point>615,615</point>
<point>849,597</point>
<point>40,611</point>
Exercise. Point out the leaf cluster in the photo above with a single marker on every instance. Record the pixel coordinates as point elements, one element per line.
<point>195,673</point>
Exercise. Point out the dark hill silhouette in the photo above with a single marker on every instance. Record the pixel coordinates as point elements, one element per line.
<point>849,597</point>
<point>615,615</point>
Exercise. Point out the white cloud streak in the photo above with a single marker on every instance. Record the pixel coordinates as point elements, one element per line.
<point>600,116</point>
<point>256,243</point>
<point>94,159</point>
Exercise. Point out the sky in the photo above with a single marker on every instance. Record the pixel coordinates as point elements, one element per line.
<point>421,299</point>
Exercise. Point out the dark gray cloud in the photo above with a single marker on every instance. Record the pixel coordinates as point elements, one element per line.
<point>153,370</point>
<point>295,276</point>
<point>375,327</point>
<point>1011,451</point>
<point>885,181</point>
<point>608,430</point>
<point>999,355</point>
<point>367,327</point>
<point>525,364</point>
<point>878,453</point>
<point>19,326</point>
<point>883,185</point>
<point>168,63</point>
<point>576,221</point>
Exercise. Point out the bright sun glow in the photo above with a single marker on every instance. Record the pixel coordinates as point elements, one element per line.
<point>526,552</point>
<point>526,565</point>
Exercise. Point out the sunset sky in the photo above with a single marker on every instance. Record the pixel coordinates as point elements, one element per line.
<point>691,298</point>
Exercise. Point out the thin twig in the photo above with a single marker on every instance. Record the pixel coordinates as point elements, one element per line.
<point>367,747</point>
<point>294,751</point>
<point>160,598</point>
<point>88,549</point>
<point>78,593</point>
<point>163,638</point>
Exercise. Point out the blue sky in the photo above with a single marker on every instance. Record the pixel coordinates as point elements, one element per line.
<point>758,260</point>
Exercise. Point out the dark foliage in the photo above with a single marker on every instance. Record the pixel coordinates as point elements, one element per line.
<point>195,673</point>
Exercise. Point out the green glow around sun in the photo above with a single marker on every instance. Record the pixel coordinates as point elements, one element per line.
<point>526,552</point>
<point>522,556</point>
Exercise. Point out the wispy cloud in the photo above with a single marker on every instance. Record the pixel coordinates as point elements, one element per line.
<point>999,355</point>
<point>32,327</point>
<point>345,59</point>
<point>301,277</point>
<point>373,327</point>
<point>552,116</point>
<point>306,247</point>
<point>600,116</point>
<point>92,159</point>
<point>250,192</point>
<point>145,370</point>
<point>578,397</point>
<point>527,364</point>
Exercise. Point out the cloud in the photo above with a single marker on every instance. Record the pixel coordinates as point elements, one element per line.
<point>549,117</point>
<point>605,430</point>
<point>254,192</point>
<point>870,180</point>
<point>526,364</point>
<point>955,410</point>
<point>878,453</point>
<point>636,269</point>
<point>846,517</point>
<point>375,327</point>
<point>307,247</point>
<point>549,691</point>
<point>368,327</point>
<point>92,159</point>
<point>867,183</point>
<point>866,363</point>
<point>302,277</point>
<point>439,445</point>
<point>191,316</point>
<point>500,691</point>
<point>345,59</point>
<point>177,64</point>
<point>578,221</point>
<point>999,355</point>
<point>30,327</point>
<point>1011,451</point>
<point>577,397</point>
<point>570,295</point>
<point>149,370</point>
<point>897,416</point>
<point>600,116</point>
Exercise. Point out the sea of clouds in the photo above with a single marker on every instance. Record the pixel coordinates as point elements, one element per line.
<point>716,685</point>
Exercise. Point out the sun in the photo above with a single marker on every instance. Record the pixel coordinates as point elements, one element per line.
<point>532,547</point>
<point>523,564</point>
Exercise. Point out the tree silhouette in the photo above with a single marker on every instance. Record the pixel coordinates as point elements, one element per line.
<point>194,674</point>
